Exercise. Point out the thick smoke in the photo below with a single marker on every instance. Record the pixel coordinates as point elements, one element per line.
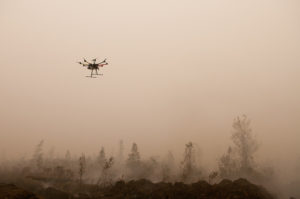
<point>239,161</point>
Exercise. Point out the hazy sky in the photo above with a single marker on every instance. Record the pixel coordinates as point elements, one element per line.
<point>178,71</point>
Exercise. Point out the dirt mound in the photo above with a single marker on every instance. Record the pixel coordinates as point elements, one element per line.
<point>239,189</point>
<point>51,192</point>
<point>145,189</point>
<point>10,191</point>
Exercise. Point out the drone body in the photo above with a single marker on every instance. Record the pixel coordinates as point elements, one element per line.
<point>93,66</point>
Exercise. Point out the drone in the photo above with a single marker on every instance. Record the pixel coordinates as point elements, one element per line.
<point>93,66</point>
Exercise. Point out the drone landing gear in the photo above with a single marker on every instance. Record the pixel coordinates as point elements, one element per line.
<point>97,72</point>
<point>92,74</point>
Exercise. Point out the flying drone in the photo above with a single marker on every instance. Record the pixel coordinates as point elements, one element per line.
<point>93,66</point>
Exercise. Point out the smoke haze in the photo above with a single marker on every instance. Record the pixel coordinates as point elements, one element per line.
<point>178,72</point>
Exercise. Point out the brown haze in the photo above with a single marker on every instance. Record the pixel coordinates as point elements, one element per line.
<point>178,71</point>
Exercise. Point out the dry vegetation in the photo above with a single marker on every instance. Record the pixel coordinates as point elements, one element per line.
<point>133,176</point>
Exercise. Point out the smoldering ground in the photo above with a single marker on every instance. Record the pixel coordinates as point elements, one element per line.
<point>104,169</point>
<point>178,73</point>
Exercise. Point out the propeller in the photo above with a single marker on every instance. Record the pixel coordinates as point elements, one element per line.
<point>104,61</point>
